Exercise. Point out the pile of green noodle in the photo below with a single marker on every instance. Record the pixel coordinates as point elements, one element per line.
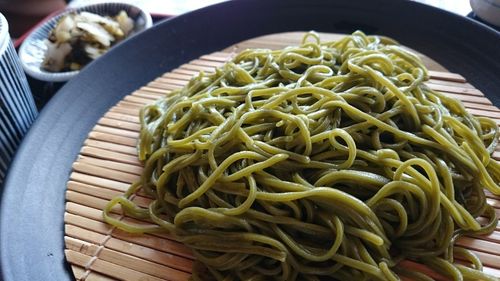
<point>326,161</point>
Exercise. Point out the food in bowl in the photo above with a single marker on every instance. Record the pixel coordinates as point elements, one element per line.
<point>81,37</point>
<point>324,161</point>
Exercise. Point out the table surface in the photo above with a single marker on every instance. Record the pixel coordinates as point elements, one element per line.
<point>176,7</point>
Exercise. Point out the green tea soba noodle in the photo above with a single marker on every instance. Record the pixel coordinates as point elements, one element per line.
<point>325,161</point>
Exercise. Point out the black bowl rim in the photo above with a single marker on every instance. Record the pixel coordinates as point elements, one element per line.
<point>32,207</point>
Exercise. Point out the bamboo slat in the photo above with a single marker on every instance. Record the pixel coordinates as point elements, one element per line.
<point>108,163</point>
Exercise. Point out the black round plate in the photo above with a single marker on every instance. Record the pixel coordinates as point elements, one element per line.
<point>32,227</point>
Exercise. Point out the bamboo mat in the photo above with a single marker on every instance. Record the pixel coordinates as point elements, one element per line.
<point>107,164</point>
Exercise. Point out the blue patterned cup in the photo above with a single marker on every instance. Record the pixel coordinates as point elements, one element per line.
<point>17,107</point>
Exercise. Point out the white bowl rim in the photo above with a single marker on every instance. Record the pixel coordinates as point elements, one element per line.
<point>4,33</point>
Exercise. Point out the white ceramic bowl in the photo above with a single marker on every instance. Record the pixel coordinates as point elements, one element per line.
<point>487,10</point>
<point>32,50</point>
